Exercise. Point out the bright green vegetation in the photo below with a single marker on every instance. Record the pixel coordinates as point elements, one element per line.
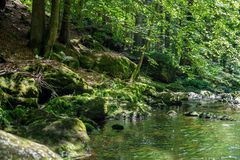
<point>69,67</point>
<point>180,39</point>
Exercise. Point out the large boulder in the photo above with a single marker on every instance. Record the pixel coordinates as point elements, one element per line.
<point>66,136</point>
<point>114,65</point>
<point>14,147</point>
<point>88,106</point>
<point>37,81</point>
<point>168,98</point>
<point>111,63</point>
<point>126,101</point>
<point>58,78</point>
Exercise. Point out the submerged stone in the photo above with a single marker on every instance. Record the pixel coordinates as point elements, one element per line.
<point>117,127</point>
<point>207,115</point>
<point>191,114</point>
<point>172,113</point>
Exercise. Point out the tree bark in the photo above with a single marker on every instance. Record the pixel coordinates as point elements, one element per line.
<point>79,11</point>
<point>53,27</point>
<point>159,45</point>
<point>138,40</point>
<point>65,27</point>
<point>167,30</point>
<point>37,31</point>
<point>2,4</point>
<point>145,48</point>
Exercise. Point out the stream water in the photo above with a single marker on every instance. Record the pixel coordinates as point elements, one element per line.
<point>161,137</point>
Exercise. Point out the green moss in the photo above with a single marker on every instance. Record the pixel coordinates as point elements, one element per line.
<point>14,147</point>
<point>5,119</point>
<point>91,107</point>
<point>17,89</point>
<point>57,80</point>
<point>115,66</point>
<point>122,98</point>
<point>70,61</point>
<point>66,136</point>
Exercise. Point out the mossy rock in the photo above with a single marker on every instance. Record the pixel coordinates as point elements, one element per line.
<point>38,81</point>
<point>58,79</point>
<point>115,65</point>
<point>112,64</point>
<point>18,89</point>
<point>88,106</point>
<point>98,108</point>
<point>14,147</point>
<point>66,136</point>
<point>171,98</point>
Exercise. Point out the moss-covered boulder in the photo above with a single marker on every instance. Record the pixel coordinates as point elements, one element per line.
<point>58,77</point>
<point>169,98</point>
<point>14,147</point>
<point>66,136</point>
<point>37,81</point>
<point>122,100</point>
<point>112,64</point>
<point>55,79</point>
<point>82,105</point>
<point>18,88</point>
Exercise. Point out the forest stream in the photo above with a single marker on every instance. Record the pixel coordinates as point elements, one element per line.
<point>163,137</point>
<point>119,79</point>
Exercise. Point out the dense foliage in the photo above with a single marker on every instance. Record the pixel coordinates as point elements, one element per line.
<point>200,39</point>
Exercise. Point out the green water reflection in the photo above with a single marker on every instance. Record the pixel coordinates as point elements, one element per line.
<point>161,137</point>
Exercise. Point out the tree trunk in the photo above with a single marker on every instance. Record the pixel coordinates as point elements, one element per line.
<point>2,4</point>
<point>145,48</point>
<point>79,11</point>
<point>65,28</point>
<point>138,40</point>
<point>53,27</point>
<point>136,72</point>
<point>167,31</point>
<point>37,31</point>
<point>160,46</point>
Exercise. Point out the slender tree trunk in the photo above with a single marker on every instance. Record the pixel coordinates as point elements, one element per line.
<point>145,48</point>
<point>167,31</point>
<point>37,31</point>
<point>159,46</point>
<point>65,27</point>
<point>138,40</point>
<point>79,11</point>
<point>186,49</point>
<point>53,27</point>
<point>136,72</point>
